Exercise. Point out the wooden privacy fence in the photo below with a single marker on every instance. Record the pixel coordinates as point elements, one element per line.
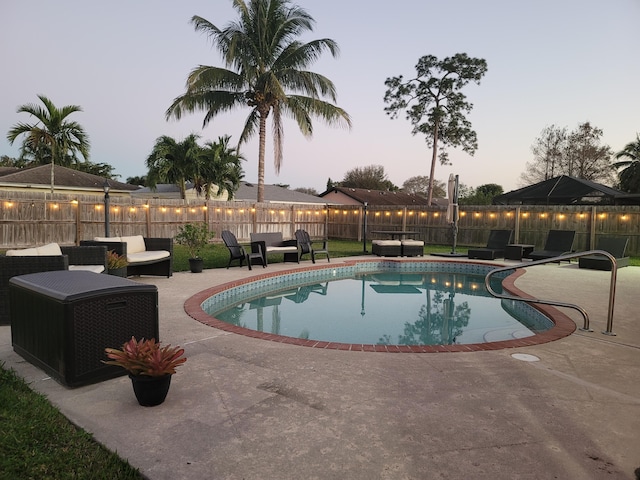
<point>34,219</point>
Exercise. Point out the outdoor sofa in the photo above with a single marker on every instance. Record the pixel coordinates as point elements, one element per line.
<point>44,259</point>
<point>145,256</point>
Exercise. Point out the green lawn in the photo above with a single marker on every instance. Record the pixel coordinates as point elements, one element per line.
<point>216,255</point>
<point>38,442</point>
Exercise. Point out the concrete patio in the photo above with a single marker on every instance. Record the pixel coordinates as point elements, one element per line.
<point>244,408</point>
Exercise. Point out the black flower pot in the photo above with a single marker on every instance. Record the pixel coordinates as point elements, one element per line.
<point>150,391</point>
<point>118,272</point>
<point>196,265</point>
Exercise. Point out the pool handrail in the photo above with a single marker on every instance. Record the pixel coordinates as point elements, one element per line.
<point>567,256</point>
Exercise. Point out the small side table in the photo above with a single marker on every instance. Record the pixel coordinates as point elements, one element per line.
<point>517,251</point>
<point>256,255</point>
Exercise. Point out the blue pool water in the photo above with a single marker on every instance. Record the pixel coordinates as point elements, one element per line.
<point>394,308</point>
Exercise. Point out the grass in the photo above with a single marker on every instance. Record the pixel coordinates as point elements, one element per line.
<point>216,255</point>
<point>38,442</point>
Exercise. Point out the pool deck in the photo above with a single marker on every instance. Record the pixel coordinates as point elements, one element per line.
<point>246,408</point>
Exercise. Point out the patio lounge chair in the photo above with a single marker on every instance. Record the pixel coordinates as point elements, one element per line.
<point>305,245</point>
<point>558,243</point>
<point>238,252</point>
<point>616,246</point>
<point>498,240</point>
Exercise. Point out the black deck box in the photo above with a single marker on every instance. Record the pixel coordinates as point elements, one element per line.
<point>62,321</point>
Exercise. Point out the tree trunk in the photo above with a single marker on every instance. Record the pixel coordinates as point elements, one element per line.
<point>434,157</point>
<point>261,150</point>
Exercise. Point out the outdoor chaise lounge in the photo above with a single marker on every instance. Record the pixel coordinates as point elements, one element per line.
<point>498,240</point>
<point>305,245</point>
<point>616,246</point>
<point>558,243</point>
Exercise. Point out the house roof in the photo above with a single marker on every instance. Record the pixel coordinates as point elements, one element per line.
<point>63,177</point>
<point>248,192</point>
<point>380,197</point>
<point>562,190</point>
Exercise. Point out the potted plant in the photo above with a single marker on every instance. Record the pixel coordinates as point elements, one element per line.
<point>116,264</point>
<point>150,367</point>
<point>194,237</point>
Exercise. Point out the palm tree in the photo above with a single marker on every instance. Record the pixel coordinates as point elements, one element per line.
<point>630,175</point>
<point>219,165</point>
<point>267,73</point>
<point>53,138</point>
<point>173,162</point>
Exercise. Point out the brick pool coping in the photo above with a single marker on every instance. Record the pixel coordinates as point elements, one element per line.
<point>563,325</point>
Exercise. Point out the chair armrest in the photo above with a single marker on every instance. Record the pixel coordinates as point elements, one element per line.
<point>153,244</point>
<point>86,255</point>
<point>118,247</point>
<point>289,243</point>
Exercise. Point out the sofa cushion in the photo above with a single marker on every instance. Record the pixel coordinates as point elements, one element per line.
<point>88,268</point>
<point>25,252</point>
<point>147,256</point>
<point>413,243</point>
<point>50,249</point>
<point>291,249</point>
<point>106,239</point>
<point>135,243</point>
<point>387,243</point>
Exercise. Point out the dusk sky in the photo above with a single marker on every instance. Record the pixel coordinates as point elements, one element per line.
<point>561,62</point>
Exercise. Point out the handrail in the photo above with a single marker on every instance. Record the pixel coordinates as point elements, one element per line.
<point>568,256</point>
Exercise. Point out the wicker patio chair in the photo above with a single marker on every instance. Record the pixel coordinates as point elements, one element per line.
<point>616,246</point>
<point>558,243</point>
<point>498,240</point>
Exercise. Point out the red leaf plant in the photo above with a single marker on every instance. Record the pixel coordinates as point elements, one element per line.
<point>146,357</point>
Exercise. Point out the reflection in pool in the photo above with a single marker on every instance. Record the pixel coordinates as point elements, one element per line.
<point>436,308</point>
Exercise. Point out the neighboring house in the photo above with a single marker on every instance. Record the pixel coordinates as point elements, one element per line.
<point>171,191</point>
<point>566,190</point>
<point>358,196</point>
<point>66,180</point>
<point>248,192</point>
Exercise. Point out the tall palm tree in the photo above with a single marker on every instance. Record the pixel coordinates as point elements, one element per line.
<point>173,162</point>
<point>53,138</point>
<point>219,165</point>
<point>630,173</point>
<point>266,72</point>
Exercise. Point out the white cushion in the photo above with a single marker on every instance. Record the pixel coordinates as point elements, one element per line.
<point>387,243</point>
<point>135,243</point>
<point>282,249</point>
<point>50,249</point>
<point>414,243</point>
<point>106,239</point>
<point>25,252</point>
<point>147,256</point>
<point>88,268</point>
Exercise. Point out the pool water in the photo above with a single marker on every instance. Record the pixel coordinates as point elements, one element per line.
<point>436,308</point>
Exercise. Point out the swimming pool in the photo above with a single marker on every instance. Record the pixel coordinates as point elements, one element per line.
<point>251,303</point>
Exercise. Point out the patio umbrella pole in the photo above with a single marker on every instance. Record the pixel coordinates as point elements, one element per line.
<point>454,225</point>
